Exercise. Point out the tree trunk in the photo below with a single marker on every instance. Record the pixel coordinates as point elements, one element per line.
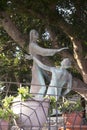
<point>12,30</point>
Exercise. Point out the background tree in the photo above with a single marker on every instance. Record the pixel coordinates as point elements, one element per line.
<point>66,24</point>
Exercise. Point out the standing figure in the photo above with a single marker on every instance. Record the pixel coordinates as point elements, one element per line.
<point>60,78</point>
<point>35,51</point>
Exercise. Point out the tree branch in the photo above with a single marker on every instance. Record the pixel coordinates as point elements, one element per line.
<point>80,87</point>
<point>77,48</point>
<point>12,30</point>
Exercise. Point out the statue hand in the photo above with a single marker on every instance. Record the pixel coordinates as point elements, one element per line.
<point>62,49</point>
<point>66,47</point>
<point>29,57</point>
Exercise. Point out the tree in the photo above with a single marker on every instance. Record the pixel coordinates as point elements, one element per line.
<point>66,22</point>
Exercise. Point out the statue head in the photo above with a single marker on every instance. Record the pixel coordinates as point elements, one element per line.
<point>66,63</point>
<point>33,35</point>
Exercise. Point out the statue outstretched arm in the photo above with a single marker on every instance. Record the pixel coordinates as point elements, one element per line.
<point>69,85</point>
<point>35,49</point>
<point>41,65</point>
